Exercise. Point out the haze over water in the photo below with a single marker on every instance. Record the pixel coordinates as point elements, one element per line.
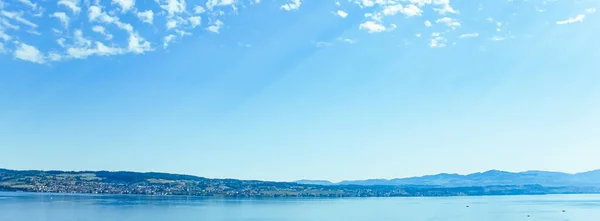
<point>55,207</point>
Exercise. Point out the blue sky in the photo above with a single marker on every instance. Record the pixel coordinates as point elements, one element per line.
<point>299,89</point>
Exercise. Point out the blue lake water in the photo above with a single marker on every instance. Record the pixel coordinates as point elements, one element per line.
<point>56,207</point>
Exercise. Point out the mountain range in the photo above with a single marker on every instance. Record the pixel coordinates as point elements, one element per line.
<point>488,178</point>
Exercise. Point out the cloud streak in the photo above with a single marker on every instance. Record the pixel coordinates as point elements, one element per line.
<point>578,18</point>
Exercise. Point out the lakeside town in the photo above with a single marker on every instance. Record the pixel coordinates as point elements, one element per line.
<point>103,182</point>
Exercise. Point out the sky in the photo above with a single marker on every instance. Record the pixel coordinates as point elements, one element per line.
<point>285,90</point>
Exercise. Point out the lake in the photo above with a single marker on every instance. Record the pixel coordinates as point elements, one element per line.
<point>68,207</point>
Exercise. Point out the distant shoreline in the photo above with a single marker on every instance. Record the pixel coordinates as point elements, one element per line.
<point>158,184</point>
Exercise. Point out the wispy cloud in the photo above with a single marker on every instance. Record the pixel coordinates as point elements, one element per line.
<point>198,9</point>
<point>215,27</point>
<point>168,39</point>
<point>62,17</point>
<point>210,4</point>
<point>125,5</point>
<point>427,23</point>
<point>409,10</point>
<point>17,16</point>
<point>437,40</point>
<point>28,3</point>
<point>102,31</point>
<point>590,10</point>
<point>29,53</point>
<point>172,7</point>
<point>146,16</point>
<point>195,21</point>
<point>342,14</point>
<point>71,4</point>
<point>373,27</point>
<point>578,18</point>
<point>450,22</point>
<point>469,35</point>
<point>292,5</point>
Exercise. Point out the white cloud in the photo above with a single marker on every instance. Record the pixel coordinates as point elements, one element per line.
<point>29,3</point>
<point>338,4</point>
<point>168,40</point>
<point>2,49</point>
<point>539,9</point>
<point>182,33</point>
<point>195,21</point>
<point>450,22</point>
<point>427,23</point>
<point>366,3</point>
<point>53,56</point>
<point>292,5</point>
<point>172,6</point>
<point>342,14</point>
<point>409,10</point>
<point>578,18</point>
<point>210,4</point>
<point>445,7</point>
<point>102,31</point>
<point>4,36</point>
<point>61,42</point>
<point>33,32</point>
<point>138,45</point>
<point>125,5</point>
<point>590,10</point>
<point>83,47</point>
<point>99,49</point>
<point>393,9</point>
<point>171,24</point>
<point>64,19</point>
<point>418,35</point>
<point>437,41</point>
<point>469,35</point>
<point>373,27</point>
<point>376,17</point>
<point>71,4</point>
<point>56,31</point>
<point>215,27</point>
<point>412,10</point>
<point>96,14</point>
<point>104,50</point>
<point>18,16</point>
<point>80,40</point>
<point>9,25</point>
<point>146,16</point>
<point>199,9</point>
<point>29,53</point>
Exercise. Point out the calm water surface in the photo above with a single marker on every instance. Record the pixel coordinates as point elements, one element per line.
<point>55,207</point>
